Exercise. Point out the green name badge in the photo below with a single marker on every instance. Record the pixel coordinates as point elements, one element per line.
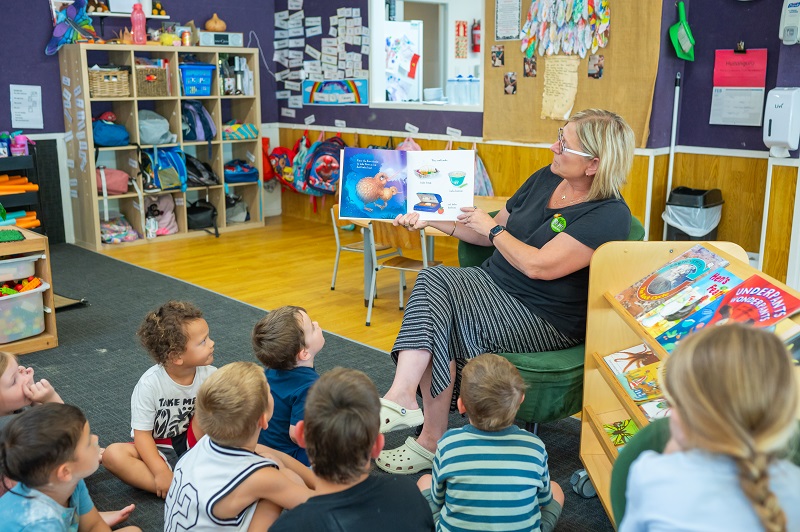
<point>558,223</point>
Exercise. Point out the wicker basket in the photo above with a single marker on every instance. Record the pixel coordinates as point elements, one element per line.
<point>109,83</point>
<point>151,82</point>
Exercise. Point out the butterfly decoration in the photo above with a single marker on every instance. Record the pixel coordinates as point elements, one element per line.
<point>72,24</point>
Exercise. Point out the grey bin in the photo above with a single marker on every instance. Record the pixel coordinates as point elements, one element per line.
<point>693,214</point>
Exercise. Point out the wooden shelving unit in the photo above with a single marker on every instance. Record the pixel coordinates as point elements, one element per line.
<point>34,243</point>
<point>75,61</point>
<point>610,328</point>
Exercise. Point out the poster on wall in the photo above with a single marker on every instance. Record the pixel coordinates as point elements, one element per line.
<point>507,20</point>
<point>461,39</point>
<point>336,92</point>
<point>739,82</point>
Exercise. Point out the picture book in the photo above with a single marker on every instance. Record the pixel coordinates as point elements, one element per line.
<point>656,409</point>
<point>649,292</point>
<point>380,184</point>
<point>642,383</point>
<point>689,300</point>
<point>756,301</point>
<point>792,342</point>
<point>630,358</point>
<point>621,432</point>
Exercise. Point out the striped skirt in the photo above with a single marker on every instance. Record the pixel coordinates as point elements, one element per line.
<point>460,313</point>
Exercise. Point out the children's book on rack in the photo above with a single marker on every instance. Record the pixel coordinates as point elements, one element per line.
<point>656,409</point>
<point>689,300</point>
<point>642,384</point>
<point>755,302</point>
<point>666,282</point>
<point>621,432</point>
<point>631,358</point>
<point>380,184</point>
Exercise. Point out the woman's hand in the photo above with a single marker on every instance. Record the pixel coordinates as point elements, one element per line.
<point>477,220</point>
<point>410,221</point>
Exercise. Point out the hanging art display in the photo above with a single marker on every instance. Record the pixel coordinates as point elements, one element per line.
<point>462,43</point>
<point>570,27</point>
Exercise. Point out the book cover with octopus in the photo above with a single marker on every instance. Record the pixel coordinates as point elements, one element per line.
<point>380,184</point>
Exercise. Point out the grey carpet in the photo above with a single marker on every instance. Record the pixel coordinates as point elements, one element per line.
<point>98,362</point>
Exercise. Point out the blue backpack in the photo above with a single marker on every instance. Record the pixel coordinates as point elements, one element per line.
<point>109,134</point>
<point>299,183</point>
<point>321,170</point>
<point>163,169</point>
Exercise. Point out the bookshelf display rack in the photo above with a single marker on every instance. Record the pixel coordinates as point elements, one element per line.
<point>83,156</point>
<point>610,328</point>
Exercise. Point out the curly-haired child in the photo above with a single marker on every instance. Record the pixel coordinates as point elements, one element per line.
<point>48,451</point>
<point>162,404</point>
<point>734,397</point>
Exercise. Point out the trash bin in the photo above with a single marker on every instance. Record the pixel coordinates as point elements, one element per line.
<point>693,214</point>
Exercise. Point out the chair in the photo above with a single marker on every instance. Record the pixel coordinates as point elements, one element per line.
<point>554,378</point>
<point>399,238</point>
<point>355,247</point>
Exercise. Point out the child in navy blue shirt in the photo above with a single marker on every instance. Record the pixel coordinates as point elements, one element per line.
<point>286,342</point>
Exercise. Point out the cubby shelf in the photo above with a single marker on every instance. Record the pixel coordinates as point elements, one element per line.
<point>610,328</point>
<point>75,61</point>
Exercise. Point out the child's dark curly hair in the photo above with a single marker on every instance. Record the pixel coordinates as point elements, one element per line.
<point>163,332</point>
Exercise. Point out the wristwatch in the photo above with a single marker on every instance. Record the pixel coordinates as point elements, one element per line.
<point>494,231</point>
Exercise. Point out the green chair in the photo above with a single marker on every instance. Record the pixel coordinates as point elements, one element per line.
<point>554,378</point>
<point>653,437</point>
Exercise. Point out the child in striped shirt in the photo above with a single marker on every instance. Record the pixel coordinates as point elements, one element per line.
<point>490,474</point>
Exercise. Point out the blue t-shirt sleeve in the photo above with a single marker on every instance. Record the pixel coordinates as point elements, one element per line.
<point>81,499</point>
<point>299,400</point>
<point>635,491</point>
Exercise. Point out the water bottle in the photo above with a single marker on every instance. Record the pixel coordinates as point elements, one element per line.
<point>461,90</point>
<point>474,91</point>
<point>138,25</point>
<point>151,226</point>
<point>451,90</point>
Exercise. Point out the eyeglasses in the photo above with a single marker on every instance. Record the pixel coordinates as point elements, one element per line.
<point>564,148</point>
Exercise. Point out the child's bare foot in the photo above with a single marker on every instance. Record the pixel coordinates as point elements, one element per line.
<point>115,518</point>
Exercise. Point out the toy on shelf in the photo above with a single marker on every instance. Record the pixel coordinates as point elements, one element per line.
<point>96,6</point>
<point>72,25</point>
<point>158,9</point>
<point>215,24</point>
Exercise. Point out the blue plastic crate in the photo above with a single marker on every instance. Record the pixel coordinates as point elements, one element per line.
<point>196,79</point>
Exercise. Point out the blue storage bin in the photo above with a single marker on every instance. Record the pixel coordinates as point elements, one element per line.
<point>196,79</point>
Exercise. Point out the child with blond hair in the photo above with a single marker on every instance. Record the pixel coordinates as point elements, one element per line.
<point>222,481</point>
<point>476,466</point>
<point>286,341</point>
<point>162,404</point>
<point>48,451</point>
<point>734,396</point>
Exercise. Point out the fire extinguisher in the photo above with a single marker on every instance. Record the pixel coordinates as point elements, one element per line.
<point>476,36</point>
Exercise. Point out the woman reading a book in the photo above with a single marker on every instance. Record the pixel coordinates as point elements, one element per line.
<point>529,296</point>
<point>734,398</point>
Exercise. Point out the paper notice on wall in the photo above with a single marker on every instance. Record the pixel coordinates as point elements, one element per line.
<point>288,113</point>
<point>26,106</point>
<point>507,19</point>
<point>560,86</point>
<point>739,85</point>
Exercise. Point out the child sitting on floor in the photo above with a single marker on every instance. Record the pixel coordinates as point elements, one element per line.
<point>19,391</point>
<point>162,404</point>
<point>341,434</point>
<point>222,478</point>
<point>734,397</point>
<point>48,451</point>
<point>286,342</point>
<point>474,465</point>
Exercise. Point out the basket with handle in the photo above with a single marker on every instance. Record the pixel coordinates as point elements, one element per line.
<point>109,83</point>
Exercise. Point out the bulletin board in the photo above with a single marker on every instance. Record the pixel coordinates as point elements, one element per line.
<point>626,87</point>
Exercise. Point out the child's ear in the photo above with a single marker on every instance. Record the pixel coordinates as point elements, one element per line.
<point>461,408</point>
<point>377,447</point>
<point>63,473</point>
<point>176,359</point>
<point>263,421</point>
<point>300,433</point>
<point>304,354</point>
<point>522,398</point>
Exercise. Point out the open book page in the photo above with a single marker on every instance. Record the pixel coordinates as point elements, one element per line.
<point>381,184</point>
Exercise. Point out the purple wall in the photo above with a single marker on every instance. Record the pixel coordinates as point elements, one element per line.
<point>26,63</point>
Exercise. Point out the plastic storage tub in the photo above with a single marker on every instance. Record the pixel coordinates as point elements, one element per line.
<point>18,267</point>
<point>22,315</point>
<point>196,79</point>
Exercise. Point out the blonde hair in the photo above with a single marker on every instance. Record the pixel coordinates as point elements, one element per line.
<point>491,390</point>
<point>735,392</point>
<point>609,138</point>
<point>230,402</point>
<point>5,360</point>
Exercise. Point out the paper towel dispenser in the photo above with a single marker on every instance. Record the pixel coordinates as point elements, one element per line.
<point>782,121</point>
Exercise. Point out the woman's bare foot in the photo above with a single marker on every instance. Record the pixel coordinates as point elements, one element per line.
<point>115,518</point>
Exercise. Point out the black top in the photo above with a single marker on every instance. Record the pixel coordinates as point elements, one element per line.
<point>562,302</point>
<point>385,504</point>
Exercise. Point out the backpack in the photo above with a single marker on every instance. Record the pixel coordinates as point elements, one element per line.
<point>322,165</point>
<point>238,171</point>
<point>299,183</point>
<point>202,214</point>
<point>116,230</point>
<point>235,209</point>
<point>163,169</point>
<point>269,172</point>
<point>409,145</point>
<point>109,134</point>
<point>199,173</point>
<point>197,123</point>
<point>154,129</point>
<point>162,208</point>
<point>281,159</point>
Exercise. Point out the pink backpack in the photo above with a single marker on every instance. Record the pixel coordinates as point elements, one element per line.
<point>409,145</point>
<point>163,206</point>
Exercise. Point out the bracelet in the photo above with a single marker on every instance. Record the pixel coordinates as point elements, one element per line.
<point>454,229</point>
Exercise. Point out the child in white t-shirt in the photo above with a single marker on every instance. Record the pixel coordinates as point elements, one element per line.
<point>162,404</point>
